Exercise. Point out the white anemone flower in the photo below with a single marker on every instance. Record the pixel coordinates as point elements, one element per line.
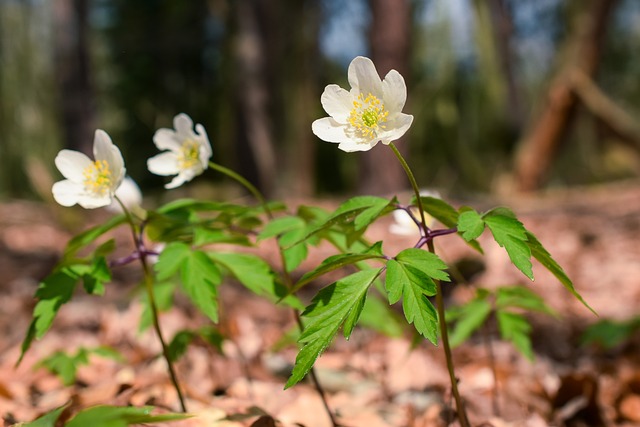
<point>188,151</point>
<point>403,224</point>
<point>130,196</point>
<point>369,113</point>
<point>89,183</point>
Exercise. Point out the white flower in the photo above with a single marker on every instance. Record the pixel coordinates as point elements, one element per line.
<point>403,224</point>
<point>91,184</point>
<point>188,152</point>
<point>370,113</point>
<point>129,194</point>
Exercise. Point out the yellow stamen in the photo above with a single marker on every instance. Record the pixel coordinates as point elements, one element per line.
<point>367,116</point>
<point>189,155</point>
<point>97,177</point>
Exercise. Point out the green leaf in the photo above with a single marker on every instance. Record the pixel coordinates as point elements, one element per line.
<point>414,286</point>
<point>470,224</point>
<point>116,416</point>
<point>511,234</point>
<point>205,236</point>
<point>295,248</point>
<point>521,297</point>
<point>178,345</point>
<point>281,225</point>
<point>330,308</point>
<point>95,276</point>
<point>609,334</point>
<point>171,259</point>
<point>85,238</point>
<point>63,365</point>
<point>338,261</point>
<point>540,253</point>
<point>200,279</point>
<point>515,328</point>
<point>254,273</point>
<point>439,209</point>
<point>425,261</point>
<point>47,420</point>
<point>469,318</point>
<point>54,291</point>
<point>369,206</point>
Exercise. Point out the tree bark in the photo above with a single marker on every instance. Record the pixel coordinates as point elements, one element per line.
<point>73,72</point>
<point>542,140</point>
<point>389,37</point>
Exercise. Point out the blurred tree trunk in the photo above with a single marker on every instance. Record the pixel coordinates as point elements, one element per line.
<point>389,38</point>
<point>257,154</point>
<point>582,53</point>
<point>73,72</point>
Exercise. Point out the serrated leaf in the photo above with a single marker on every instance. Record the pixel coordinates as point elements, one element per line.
<point>470,225</point>
<point>329,309</point>
<point>54,291</point>
<point>427,262</point>
<point>281,225</point>
<point>540,253</point>
<point>254,273</point>
<point>200,280</point>
<point>413,286</point>
<point>515,328</point>
<point>120,416</point>
<point>510,234</point>
<point>370,214</point>
<point>335,262</point>
<point>62,365</point>
<point>469,318</point>
<point>94,276</point>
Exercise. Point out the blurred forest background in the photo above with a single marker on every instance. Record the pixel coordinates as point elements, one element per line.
<point>508,95</point>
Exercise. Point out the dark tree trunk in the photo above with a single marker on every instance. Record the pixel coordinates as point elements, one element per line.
<point>389,37</point>
<point>73,72</point>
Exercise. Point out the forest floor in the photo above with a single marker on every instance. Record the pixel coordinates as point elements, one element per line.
<point>370,380</point>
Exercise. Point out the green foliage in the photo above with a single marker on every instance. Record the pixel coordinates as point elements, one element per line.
<point>91,235</point>
<point>105,416</point>
<point>506,304</point>
<point>337,304</point>
<point>411,276</point>
<point>66,365</point>
<point>163,296</point>
<point>609,334</point>
<point>290,231</point>
<point>200,277</point>
<point>181,340</point>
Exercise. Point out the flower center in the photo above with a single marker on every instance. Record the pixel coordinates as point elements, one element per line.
<point>97,177</point>
<point>189,155</point>
<point>367,116</point>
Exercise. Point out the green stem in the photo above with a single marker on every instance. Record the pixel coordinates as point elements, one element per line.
<point>246,184</point>
<point>444,334</point>
<point>412,180</point>
<point>286,276</point>
<point>148,282</point>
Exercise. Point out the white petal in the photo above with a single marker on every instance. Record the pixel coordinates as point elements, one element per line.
<point>176,182</point>
<point>164,164</point>
<point>129,193</point>
<point>363,77</point>
<point>205,148</point>
<point>166,139</point>
<point>351,146</point>
<point>104,149</point>
<point>72,164</point>
<point>394,92</point>
<point>66,192</point>
<point>92,201</point>
<point>329,130</point>
<point>337,102</point>
<point>183,125</point>
<point>396,128</point>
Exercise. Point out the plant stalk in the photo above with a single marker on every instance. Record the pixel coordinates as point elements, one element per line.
<point>287,277</point>
<point>148,282</point>
<point>444,334</point>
